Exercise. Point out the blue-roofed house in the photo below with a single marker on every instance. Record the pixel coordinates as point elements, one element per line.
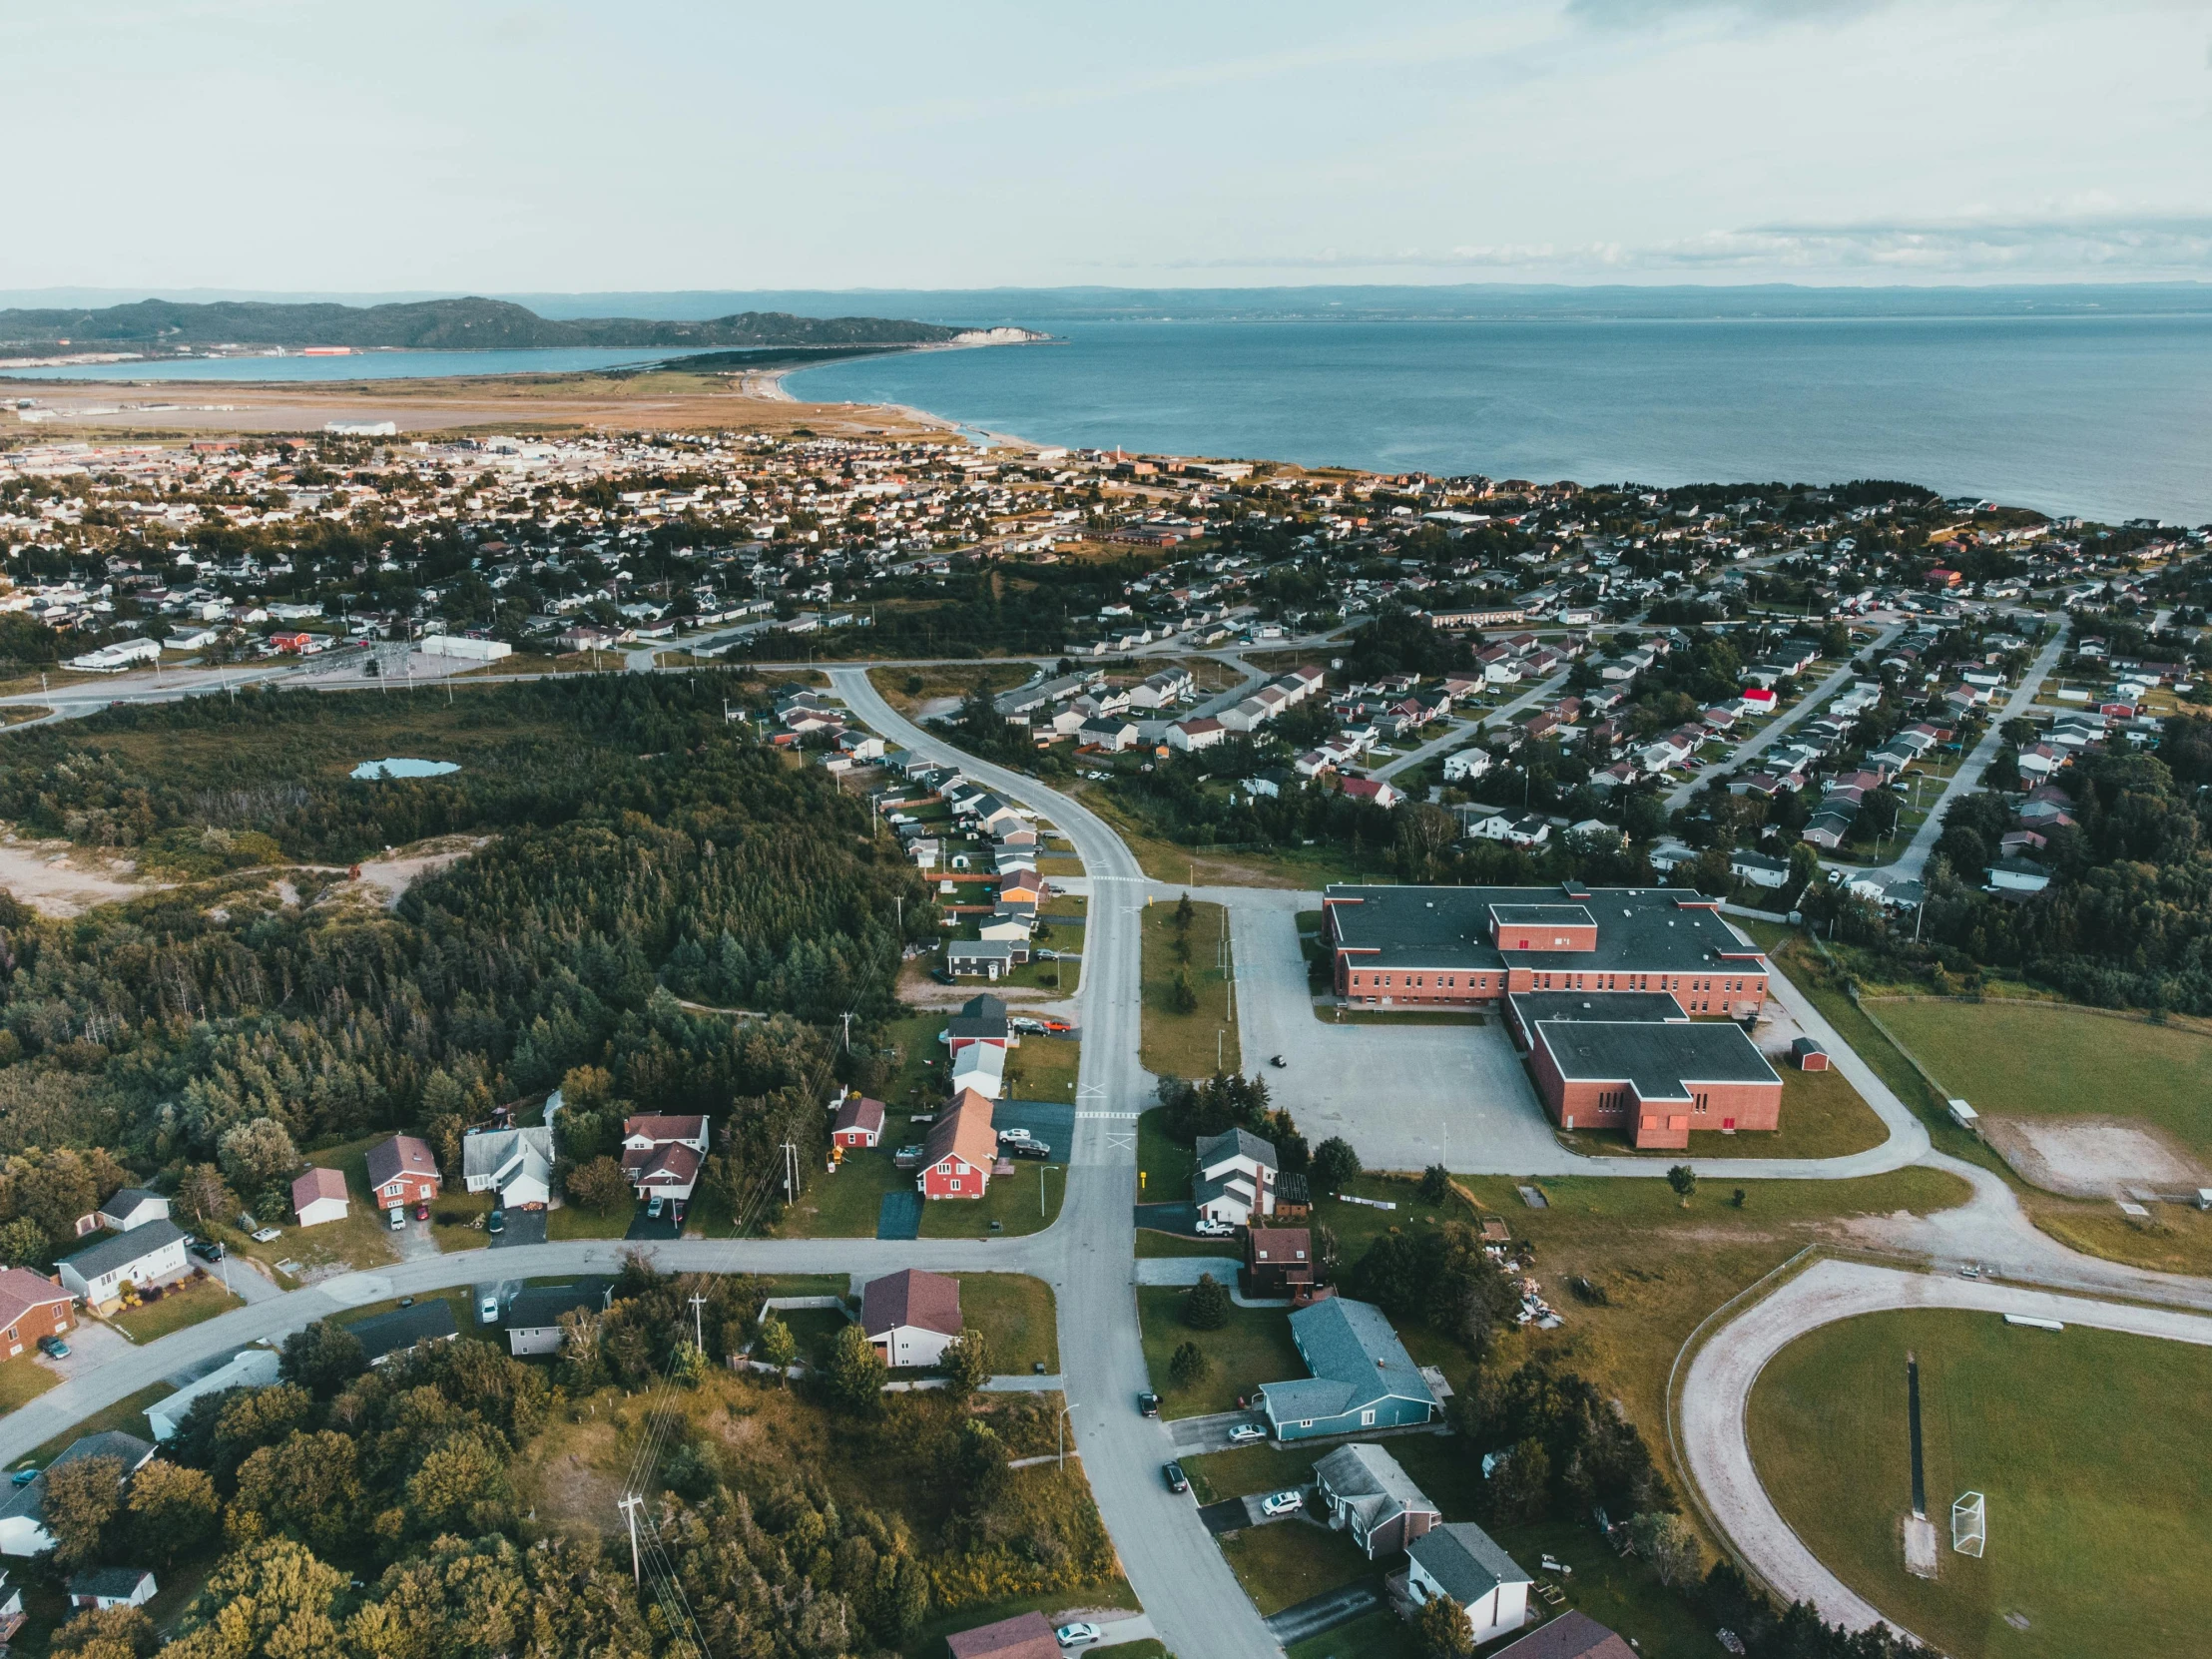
<point>1362,1377</point>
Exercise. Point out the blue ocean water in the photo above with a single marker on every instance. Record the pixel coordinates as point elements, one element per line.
<point>361,365</point>
<point>2093,410</point>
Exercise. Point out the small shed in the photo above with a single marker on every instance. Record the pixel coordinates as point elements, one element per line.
<point>318,1196</point>
<point>1963,1115</point>
<point>105,1587</point>
<point>1808,1056</point>
<point>859,1123</point>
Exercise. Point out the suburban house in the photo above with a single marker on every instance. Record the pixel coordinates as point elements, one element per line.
<point>1024,1636</point>
<point>149,1255</point>
<point>1236,1177</point>
<point>534,1315</point>
<point>12,1616</point>
<point>1364,1492</point>
<point>981,1020</point>
<point>251,1367</point>
<point>1363,1376</point>
<point>401,1171</point>
<point>1572,1635</point>
<point>319,1195</point>
<point>1612,1063</point>
<point>979,1069</point>
<point>1278,1262</point>
<point>385,1335</point>
<point>30,1308</point>
<point>514,1164</point>
<point>991,960</point>
<point>912,1316</point>
<point>1463,1561</point>
<point>128,1208</point>
<point>661,1155</point>
<point>859,1123</point>
<point>956,1159</point>
<point>23,1515</point>
<point>105,1587</point>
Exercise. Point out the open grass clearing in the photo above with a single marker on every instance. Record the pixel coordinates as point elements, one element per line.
<point>1252,1348</point>
<point>1016,1315</point>
<point>846,1205</point>
<point>576,1220</point>
<point>1281,1564</point>
<point>1027,1201</point>
<point>1165,1165</point>
<point>1043,1068</point>
<point>1380,1635</point>
<point>183,1304</point>
<point>23,1380</point>
<point>1304,867</point>
<point>1202,1042</point>
<point>2174,1237</point>
<point>2096,1524</point>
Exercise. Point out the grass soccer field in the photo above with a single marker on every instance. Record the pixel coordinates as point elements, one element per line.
<point>2044,1059</point>
<point>2096,1469</point>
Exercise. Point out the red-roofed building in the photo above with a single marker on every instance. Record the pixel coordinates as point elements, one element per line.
<point>911,1316</point>
<point>661,1155</point>
<point>859,1123</point>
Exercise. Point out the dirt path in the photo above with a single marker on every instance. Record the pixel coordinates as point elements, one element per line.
<point>58,879</point>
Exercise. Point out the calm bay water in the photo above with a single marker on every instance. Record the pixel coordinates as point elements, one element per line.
<point>361,365</point>
<point>2108,415</point>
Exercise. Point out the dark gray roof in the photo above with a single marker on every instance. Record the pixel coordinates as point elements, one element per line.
<point>1466,1560</point>
<point>115,1583</point>
<point>126,1199</point>
<point>29,1501</point>
<point>1544,915</point>
<point>536,1305</point>
<point>1641,1006</point>
<point>1356,1359</point>
<point>1662,1061</point>
<point>979,1017</point>
<point>1639,929</point>
<point>1235,1143</point>
<point>124,1248</point>
<point>1370,1478</point>
<point>402,1328</point>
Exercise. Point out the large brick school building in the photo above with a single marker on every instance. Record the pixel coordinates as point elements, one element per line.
<point>1467,948</point>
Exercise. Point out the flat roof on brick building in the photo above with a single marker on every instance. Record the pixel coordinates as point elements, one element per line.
<point>1662,1061</point>
<point>1639,929</point>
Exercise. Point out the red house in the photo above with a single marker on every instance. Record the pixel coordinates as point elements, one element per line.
<point>31,1307</point>
<point>956,1159</point>
<point>401,1171</point>
<point>859,1123</point>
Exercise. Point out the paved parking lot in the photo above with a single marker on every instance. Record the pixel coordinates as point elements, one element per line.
<point>1404,1096</point>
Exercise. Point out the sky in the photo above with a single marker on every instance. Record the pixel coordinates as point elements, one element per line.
<point>294,146</point>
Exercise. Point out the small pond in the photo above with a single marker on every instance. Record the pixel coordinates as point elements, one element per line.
<point>404,769</point>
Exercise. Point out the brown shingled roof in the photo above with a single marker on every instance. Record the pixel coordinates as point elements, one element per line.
<point>963,1132</point>
<point>1025,1636</point>
<point>928,1300</point>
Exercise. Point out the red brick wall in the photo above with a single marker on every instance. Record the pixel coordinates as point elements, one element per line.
<point>972,1181</point>
<point>1746,1106</point>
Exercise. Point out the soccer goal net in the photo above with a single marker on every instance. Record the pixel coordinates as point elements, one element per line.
<point>1970,1524</point>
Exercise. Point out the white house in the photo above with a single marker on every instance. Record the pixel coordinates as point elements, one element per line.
<point>981,1068</point>
<point>1461,1560</point>
<point>911,1316</point>
<point>23,1515</point>
<point>149,1255</point>
<point>517,1164</point>
<point>1236,1177</point>
<point>662,1155</point>
<point>128,1208</point>
<point>253,1368</point>
<point>99,1588</point>
<point>1468,762</point>
<point>319,1195</point>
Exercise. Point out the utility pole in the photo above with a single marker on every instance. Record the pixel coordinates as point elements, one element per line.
<point>1062,1425</point>
<point>699,1334</point>
<point>790,1173</point>
<point>848,1018</point>
<point>628,1508</point>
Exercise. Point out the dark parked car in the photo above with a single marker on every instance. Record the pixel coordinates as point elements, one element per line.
<point>1027,1149</point>
<point>496,1222</point>
<point>1148,1406</point>
<point>22,1477</point>
<point>207,1250</point>
<point>942,976</point>
<point>53,1347</point>
<point>1177,1483</point>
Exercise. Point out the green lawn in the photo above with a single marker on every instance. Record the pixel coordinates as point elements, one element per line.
<point>126,1414</point>
<point>812,1327</point>
<point>2097,1543</point>
<point>2015,1058</point>
<point>1163,1163</point>
<point>573,1220</point>
<point>362,1240</point>
<point>1186,1045</point>
<point>188,1304</point>
<point>1026,1201</point>
<point>1043,1068</point>
<point>1823,1116</point>
<point>1251,1469</point>
<point>1146,1649</point>
<point>845,1205</point>
<point>1281,1564</point>
<point>23,1380</point>
<point>1374,1636</point>
<point>1017,1314</point>
<point>1254,1347</point>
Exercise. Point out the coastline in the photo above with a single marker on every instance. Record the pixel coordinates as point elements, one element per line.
<point>772,388</point>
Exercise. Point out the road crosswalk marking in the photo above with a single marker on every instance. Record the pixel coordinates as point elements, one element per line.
<point>1125,1116</point>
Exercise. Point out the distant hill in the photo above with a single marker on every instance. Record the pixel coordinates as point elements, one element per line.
<point>443,324</point>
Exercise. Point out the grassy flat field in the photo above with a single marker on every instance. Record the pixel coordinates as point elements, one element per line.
<point>845,1205</point>
<point>1252,1348</point>
<point>188,1304</point>
<point>1279,1565</point>
<point>1027,1201</point>
<point>1306,867</point>
<point>1193,1044</point>
<point>2044,1059</point>
<point>1017,1314</point>
<point>1164,1164</point>
<point>1043,1068</point>
<point>2097,1541</point>
<point>1376,1636</point>
<point>23,1380</point>
<point>1823,1116</point>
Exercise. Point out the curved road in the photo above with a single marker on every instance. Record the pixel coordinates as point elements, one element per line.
<point>1717,1393</point>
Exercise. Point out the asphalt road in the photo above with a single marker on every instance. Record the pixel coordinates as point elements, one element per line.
<point>1710,1436</point>
<point>1738,759</point>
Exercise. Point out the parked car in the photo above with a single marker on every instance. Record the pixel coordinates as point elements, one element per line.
<point>207,1250</point>
<point>1178,1482</point>
<point>1277,1060</point>
<point>1208,1228</point>
<point>1078,1635</point>
<point>421,1211</point>
<point>1027,1149</point>
<point>1282,1503</point>
<point>654,1205</point>
<point>1148,1406</point>
<point>398,1217</point>
<point>906,1157</point>
<point>1013,1137</point>
<point>943,976</point>
<point>1246,1432</point>
<point>496,1222</point>
<point>488,1309</point>
<point>22,1477</point>
<point>1056,1027</point>
<point>1026,1026</point>
<point>53,1347</point>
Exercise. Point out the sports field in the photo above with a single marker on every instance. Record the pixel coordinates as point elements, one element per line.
<point>2045,1059</point>
<point>2097,1467</point>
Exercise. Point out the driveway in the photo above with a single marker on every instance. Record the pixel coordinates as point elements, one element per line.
<point>1324,1612</point>
<point>1404,1096</point>
<point>1052,1122</point>
<point>524,1226</point>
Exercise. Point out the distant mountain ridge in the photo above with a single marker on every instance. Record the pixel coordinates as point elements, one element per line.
<point>440,324</point>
